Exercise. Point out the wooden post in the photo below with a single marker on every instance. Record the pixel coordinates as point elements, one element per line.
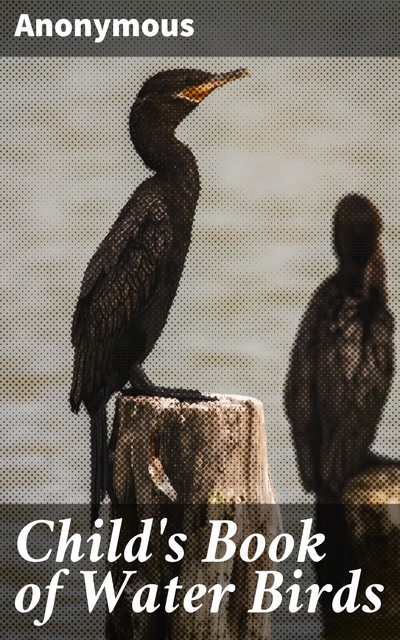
<point>210,460</point>
<point>372,507</point>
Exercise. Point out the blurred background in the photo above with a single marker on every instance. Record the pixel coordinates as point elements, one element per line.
<point>275,151</point>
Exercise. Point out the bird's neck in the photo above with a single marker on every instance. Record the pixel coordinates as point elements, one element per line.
<point>164,153</point>
<point>361,281</point>
<point>179,167</point>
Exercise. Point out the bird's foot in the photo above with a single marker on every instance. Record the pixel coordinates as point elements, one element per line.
<point>377,460</point>
<point>165,392</point>
<point>141,385</point>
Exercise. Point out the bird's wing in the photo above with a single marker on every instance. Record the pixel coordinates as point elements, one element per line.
<point>119,282</point>
<point>354,374</point>
<point>299,394</point>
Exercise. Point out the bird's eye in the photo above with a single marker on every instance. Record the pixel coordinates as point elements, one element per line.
<point>190,82</point>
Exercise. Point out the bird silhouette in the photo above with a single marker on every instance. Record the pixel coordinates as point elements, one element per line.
<point>131,281</point>
<point>342,362</point>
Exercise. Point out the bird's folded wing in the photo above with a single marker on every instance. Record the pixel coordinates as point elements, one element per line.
<point>119,282</point>
<point>353,382</point>
<point>299,394</point>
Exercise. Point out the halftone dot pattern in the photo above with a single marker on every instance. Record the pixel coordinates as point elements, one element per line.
<point>275,153</point>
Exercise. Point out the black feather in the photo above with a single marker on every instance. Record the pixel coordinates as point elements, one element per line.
<point>131,280</point>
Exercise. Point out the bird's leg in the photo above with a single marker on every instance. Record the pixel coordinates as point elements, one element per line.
<point>141,385</point>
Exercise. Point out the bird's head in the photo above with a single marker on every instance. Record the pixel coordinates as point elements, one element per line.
<point>357,225</point>
<point>176,92</point>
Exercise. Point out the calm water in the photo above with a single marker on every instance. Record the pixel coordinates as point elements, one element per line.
<point>275,153</point>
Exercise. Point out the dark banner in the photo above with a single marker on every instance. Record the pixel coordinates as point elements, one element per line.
<point>190,568</point>
<point>190,28</point>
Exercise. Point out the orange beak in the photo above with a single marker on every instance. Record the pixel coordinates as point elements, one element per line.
<point>197,93</point>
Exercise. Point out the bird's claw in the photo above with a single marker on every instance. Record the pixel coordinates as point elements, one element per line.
<point>164,392</point>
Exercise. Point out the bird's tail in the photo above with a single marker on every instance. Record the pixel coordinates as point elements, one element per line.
<point>75,397</point>
<point>98,429</point>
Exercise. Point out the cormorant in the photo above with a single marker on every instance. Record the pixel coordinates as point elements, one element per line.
<point>131,281</point>
<point>342,362</point>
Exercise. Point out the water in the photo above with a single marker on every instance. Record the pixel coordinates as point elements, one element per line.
<point>275,153</point>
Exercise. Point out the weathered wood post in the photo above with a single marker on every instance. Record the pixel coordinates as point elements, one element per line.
<point>371,504</point>
<point>372,507</point>
<point>193,462</point>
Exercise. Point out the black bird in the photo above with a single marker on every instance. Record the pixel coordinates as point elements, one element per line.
<point>342,362</point>
<point>131,281</point>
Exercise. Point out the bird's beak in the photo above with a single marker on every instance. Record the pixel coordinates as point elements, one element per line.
<point>197,93</point>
